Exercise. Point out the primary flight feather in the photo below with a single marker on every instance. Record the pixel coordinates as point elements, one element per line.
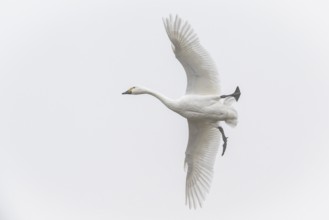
<point>201,105</point>
<point>202,76</point>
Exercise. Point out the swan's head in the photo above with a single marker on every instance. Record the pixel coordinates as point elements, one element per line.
<point>134,91</point>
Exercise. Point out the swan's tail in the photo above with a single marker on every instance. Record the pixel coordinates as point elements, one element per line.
<point>232,122</point>
<point>232,113</point>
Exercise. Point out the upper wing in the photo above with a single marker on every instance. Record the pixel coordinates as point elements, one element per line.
<point>202,76</point>
<point>200,157</point>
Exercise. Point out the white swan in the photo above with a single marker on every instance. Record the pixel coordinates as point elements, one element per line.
<point>201,106</point>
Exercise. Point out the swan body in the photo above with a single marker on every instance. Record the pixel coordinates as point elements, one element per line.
<point>195,107</point>
<point>202,106</point>
<point>207,107</point>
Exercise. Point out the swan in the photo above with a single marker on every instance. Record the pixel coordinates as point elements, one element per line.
<point>202,106</point>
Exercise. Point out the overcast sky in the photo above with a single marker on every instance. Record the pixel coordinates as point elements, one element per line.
<point>73,148</point>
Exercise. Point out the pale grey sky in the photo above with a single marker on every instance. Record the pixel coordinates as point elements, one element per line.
<point>73,148</point>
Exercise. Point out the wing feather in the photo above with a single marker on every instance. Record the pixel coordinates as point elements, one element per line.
<point>201,71</point>
<point>201,154</point>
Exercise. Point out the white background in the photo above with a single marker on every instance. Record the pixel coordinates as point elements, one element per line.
<point>72,147</point>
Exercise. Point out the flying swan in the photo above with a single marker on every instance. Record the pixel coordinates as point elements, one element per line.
<point>202,106</point>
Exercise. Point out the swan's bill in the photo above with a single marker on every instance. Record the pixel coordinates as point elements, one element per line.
<point>127,92</point>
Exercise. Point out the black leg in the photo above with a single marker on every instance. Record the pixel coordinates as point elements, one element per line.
<point>224,139</point>
<point>236,94</point>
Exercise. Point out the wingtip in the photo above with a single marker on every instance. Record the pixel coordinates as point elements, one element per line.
<point>172,18</point>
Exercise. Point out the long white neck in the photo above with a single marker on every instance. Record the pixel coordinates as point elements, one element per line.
<point>166,101</point>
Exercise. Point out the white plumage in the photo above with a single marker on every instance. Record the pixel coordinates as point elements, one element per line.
<point>202,76</point>
<point>201,106</point>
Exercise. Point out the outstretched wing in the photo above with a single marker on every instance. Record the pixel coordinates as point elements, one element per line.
<point>202,76</point>
<point>200,157</point>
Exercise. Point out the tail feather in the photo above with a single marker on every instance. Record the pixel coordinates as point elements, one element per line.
<point>233,115</point>
<point>229,101</point>
<point>232,122</point>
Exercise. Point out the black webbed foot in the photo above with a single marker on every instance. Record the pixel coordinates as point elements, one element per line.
<point>236,94</point>
<point>224,139</point>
